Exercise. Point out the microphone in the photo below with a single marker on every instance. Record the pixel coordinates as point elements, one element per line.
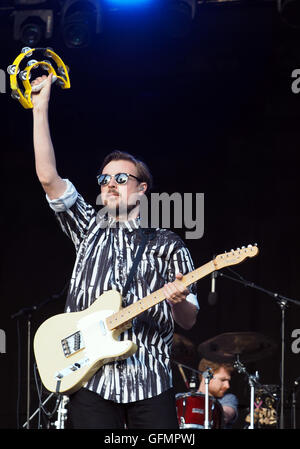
<point>213,295</point>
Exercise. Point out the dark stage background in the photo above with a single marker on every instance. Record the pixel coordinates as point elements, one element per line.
<point>213,112</point>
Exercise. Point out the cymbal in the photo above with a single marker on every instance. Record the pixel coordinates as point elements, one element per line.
<point>249,346</point>
<point>183,350</point>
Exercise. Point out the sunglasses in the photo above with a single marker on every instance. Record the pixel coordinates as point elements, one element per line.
<point>120,178</point>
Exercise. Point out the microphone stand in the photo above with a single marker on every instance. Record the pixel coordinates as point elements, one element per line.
<point>294,402</point>
<point>28,311</point>
<point>282,302</point>
<point>253,382</point>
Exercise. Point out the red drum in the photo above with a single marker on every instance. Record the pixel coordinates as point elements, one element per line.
<point>191,411</point>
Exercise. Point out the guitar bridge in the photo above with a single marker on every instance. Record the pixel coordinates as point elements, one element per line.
<point>72,344</point>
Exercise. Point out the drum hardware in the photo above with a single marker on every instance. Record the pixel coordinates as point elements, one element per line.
<point>28,312</point>
<point>282,301</point>
<point>265,414</point>
<point>191,411</point>
<point>61,413</point>
<point>209,403</point>
<point>224,348</point>
<point>253,381</point>
<point>26,424</point>
<point>183,350</point>
<point>294,401</point>
<point>207,375</point>
<point>193,383</point>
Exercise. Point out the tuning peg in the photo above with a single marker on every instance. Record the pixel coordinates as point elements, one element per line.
<point>249,246</point>
<point>243,247</point>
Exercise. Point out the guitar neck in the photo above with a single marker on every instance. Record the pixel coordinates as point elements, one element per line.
<point>128,313</point>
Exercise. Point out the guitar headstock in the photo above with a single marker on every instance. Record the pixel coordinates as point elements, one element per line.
<point>234,257</point>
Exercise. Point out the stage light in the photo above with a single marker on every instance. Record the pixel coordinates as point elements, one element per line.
<point>32,26</point>
<point>177,16</point>
<point>80,21</point>
<point>289,11</point>
<point>120,3</point>
<point>29,2</point>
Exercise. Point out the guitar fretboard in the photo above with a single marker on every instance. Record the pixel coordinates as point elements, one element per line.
<point>128,313</point>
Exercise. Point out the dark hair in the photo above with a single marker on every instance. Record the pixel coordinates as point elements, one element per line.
<point>143,172</point>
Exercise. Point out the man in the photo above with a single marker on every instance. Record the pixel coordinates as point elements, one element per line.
<point>217,387</point>
<point>136,392</point>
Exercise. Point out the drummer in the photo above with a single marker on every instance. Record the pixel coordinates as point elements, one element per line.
<point>218,386</point>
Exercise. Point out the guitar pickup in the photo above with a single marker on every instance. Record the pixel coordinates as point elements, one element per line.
<point>71,344</point>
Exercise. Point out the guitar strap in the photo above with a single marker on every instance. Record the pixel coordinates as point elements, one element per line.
<point>147,234</point>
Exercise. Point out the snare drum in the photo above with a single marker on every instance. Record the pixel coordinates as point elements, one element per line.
<point>191,411</point>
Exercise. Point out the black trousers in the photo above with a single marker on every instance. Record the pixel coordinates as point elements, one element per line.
<point>88,410</point>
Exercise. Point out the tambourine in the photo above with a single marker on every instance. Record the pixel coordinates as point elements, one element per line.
<point>59,76</point>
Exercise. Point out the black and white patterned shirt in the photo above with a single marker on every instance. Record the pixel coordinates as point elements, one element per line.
<point>104,256</point>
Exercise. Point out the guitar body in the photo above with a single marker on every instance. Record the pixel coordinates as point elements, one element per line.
<point>70,347</point>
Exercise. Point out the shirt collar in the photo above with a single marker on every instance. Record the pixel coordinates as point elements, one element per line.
<point>107,221</point>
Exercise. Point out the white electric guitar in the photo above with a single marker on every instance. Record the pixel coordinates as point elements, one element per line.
<point>70,347</point>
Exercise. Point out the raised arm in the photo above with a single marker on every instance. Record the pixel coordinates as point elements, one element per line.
<point>45,162</point>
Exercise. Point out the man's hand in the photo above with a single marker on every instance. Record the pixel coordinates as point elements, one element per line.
<point>183,311</point>
<point>41,98</point>
<point>175,292</point>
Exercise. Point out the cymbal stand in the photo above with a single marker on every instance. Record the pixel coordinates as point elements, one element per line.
<point>253,382</point>
<point>283,304</point>
<point>28,312</point>
<point>207,375</point>
<point>37,411</point>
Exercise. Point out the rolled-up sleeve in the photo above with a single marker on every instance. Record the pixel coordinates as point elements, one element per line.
<point>73,213</point>
<point>66,200</point>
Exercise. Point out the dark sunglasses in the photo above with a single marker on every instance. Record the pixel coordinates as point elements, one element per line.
<point>121,178</point>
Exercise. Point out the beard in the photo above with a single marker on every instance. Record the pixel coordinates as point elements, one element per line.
<point>115,208</point>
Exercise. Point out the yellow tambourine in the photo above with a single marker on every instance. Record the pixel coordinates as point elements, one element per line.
<point>61,77</point>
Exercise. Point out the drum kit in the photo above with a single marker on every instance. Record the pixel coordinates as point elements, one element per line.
<point>203,411</point>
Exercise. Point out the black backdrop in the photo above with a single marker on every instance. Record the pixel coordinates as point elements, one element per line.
<point>211,113</point>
